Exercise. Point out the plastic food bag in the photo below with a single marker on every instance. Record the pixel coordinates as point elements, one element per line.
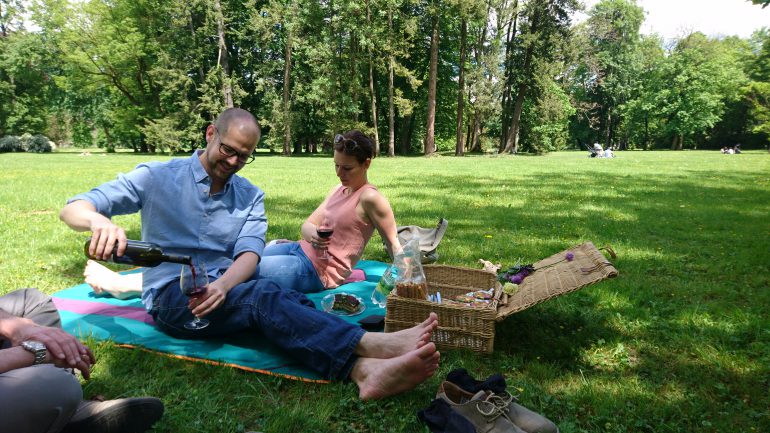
<point>410,278</point>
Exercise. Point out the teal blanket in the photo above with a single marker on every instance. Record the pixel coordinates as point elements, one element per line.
<point>126,322</point>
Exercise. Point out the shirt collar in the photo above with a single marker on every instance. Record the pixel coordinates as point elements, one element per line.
<point>200,173</point>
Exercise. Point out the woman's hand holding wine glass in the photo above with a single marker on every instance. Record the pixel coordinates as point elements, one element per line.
<point>324,231</point>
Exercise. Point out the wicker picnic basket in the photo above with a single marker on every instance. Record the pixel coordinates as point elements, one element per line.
<point>463,327</point>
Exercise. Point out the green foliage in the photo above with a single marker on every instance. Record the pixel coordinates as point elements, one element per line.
<point>149,75</point>
<point>38,144</point>
<point>10,143</point>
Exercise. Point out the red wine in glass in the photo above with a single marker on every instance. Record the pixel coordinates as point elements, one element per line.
<point>194,282</point>
<point>325,231</point>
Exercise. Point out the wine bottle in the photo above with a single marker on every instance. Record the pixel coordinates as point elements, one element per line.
<point>140,253</point>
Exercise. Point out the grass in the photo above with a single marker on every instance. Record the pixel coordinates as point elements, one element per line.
<point>679,342</point>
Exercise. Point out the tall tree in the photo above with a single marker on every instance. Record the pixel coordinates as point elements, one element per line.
<point>429,146</point>
<point>545,22</point>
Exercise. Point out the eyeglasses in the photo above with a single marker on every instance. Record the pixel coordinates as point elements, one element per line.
<point>348,143</point>
<point>229,152</point>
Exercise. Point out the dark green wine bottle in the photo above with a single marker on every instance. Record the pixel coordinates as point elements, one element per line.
<point>140,253</point>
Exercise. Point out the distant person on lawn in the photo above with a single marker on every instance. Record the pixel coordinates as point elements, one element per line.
<point>198,206</point>
<point>38,391</point>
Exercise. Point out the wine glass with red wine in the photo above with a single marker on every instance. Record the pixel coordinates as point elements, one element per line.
<point>194,281</point>
<point>325,231</point>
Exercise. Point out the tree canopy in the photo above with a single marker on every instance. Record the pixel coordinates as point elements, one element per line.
<point>416,75</point>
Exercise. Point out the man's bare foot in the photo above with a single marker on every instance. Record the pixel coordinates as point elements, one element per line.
<point>386,345</point>
<point>104,280</point>
<point>380,378</point>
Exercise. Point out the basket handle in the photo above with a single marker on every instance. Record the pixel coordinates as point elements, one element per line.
<point>609,249</point>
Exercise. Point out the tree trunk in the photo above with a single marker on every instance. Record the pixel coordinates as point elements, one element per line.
<point>678,142</point>
<point>371,89</point>
<point>391,108</point>
<point>430,139</point>
<point>354,75</point>
<point>460,145</point>
<point>407,123</point>
<point>223,58</point>
<point>512,141</point>
<point>476,146</point>
<point>505,112</point>
<point>608,129</point>
<point>286,94</point>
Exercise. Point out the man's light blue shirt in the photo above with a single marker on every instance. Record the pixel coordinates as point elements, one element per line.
<point>180,216</point>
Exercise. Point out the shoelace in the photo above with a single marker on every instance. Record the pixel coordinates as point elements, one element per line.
<point>491,409</point>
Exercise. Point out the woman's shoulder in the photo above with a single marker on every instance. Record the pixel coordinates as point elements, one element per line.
<point>371,196</point>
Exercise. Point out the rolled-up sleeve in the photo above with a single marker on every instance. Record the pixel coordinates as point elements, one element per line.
<point>252,235</point>
<point>121,196</point>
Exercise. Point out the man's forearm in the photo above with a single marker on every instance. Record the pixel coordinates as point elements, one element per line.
<point>79,215</point>
<point>14,358</point>
<point>241,270</point>
<point>9,325</point>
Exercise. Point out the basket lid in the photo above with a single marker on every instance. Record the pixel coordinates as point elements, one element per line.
<point>555,276</point>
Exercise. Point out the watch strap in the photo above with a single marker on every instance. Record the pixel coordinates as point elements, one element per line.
<point>36,348</point>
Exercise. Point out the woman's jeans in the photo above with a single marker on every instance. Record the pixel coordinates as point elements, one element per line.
<point>287,318</point>
<point>287,265</point>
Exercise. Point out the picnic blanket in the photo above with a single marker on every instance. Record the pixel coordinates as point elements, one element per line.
<point>127,323</point>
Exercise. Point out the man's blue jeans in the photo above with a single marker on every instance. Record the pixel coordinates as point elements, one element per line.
<point>287,265</point>
<point>287,318</point>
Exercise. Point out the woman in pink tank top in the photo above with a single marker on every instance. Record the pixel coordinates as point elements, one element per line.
<point>351,210</point>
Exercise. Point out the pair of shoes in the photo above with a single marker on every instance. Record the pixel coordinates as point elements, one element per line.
<point>482,409</point>
<point>125,415</point>
<point>496,411</point>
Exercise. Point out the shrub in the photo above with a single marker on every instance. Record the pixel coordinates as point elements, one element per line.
<point>10,143</point>
<point>39,144</point>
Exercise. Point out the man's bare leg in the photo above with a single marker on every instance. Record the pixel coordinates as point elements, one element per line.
<point>105,280</point>
<point>379,378</point>
<point>385,345</point>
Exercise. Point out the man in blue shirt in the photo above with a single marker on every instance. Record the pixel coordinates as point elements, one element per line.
<point>199,207</point>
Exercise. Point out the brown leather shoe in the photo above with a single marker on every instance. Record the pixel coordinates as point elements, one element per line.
<point>125,415</point>
<point>481,409</point>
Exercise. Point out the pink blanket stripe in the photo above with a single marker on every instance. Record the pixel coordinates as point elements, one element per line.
<point>89,307</point>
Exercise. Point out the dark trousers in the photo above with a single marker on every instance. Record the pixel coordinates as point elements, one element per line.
<point>287,318</point>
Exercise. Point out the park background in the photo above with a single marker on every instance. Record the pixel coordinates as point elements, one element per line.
<point>419,76</point>
<point>679,342</point>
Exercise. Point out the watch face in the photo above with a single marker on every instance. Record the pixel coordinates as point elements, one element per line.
<point>33,345</point>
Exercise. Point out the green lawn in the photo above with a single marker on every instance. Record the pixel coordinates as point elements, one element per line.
<point>679,342</point>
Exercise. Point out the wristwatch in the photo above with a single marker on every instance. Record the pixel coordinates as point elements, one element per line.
<point>37,348</point>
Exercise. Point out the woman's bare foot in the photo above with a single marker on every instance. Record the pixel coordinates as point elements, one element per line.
<point>380,378</point>
<point>105,280</point>
<point>386,345</point>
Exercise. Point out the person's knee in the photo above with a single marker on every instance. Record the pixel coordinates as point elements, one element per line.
<point>39,396</point>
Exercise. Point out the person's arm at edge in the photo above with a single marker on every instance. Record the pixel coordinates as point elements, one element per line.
<point>81,215</point>
<point>64,350</point>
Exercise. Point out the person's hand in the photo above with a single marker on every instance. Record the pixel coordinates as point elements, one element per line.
<point>318,242</point>
<point>104,236</point>
<point>64,350</point>
<point>209,301</point>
